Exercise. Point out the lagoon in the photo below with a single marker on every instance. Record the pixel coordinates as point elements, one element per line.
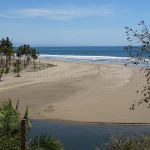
<point>80,136</point>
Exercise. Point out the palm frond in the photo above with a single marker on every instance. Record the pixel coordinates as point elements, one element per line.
<point>43,142</point>
<point>27,118</point>
<point>9,118</point>
<point>4,105</point>
<point>9,141</point>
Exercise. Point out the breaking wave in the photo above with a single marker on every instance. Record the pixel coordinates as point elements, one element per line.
<point>101,59</point>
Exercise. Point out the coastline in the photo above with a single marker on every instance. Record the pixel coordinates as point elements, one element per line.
<point>95,123</point>
<point>78,92</point>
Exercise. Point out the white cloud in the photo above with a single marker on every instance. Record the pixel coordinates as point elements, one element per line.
<point>58,14</point>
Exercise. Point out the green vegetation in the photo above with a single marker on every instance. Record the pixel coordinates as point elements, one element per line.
<point>17,67</point>
<point>34,55</point>
<point>121,142</point>
<point>137,54</point>
<point>7,52</point>
<point>10,131</point>
<point>50,65</point>
<point>18,60</point>
<point>43,142</point>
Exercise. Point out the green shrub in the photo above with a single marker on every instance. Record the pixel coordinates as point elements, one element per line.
<point>1,71</point>
<point>16,63</point>
<point>17,66</point>
<point>16,69</point>
<point>121,142</point>
<point>7,69</point>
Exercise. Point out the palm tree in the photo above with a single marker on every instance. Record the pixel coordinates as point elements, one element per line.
<point>28,54</point>
<point>10,131</point>
<point>1,53</point>
<point>7,41</point>
<point>8,52</point>
<point>17,67</point>
<point>34,55</point>
<point>2,47</point>
<point>6,44</point>
<point>11,53</point>
<point>19,52</point>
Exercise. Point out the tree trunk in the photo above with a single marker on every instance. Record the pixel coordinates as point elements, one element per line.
<point>9,62</point>
<point>34,65</point>
<point>6,60</point>
<point>1,58</point>
<point>27,61</point>
<point>24,63</point>
<point>18,68</point>
<point>23,135</point>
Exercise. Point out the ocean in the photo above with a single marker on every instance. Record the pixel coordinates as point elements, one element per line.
<point>99,54</point>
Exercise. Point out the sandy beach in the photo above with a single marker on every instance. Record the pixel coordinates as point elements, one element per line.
<point>79,92</point>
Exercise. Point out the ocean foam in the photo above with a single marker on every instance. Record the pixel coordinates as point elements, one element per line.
<point>102,59</point>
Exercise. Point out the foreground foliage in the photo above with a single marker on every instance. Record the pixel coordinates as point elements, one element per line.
<point>121,142</point>
<point>43,142</point>
<point>139,54</point>
<point>10,131</point>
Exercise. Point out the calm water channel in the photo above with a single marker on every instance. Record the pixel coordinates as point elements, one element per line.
<point>79,136</point>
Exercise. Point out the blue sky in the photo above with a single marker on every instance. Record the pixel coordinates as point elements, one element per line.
<point>71,22</point>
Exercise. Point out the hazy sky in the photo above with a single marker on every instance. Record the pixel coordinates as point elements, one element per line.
<point>71,22</point>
